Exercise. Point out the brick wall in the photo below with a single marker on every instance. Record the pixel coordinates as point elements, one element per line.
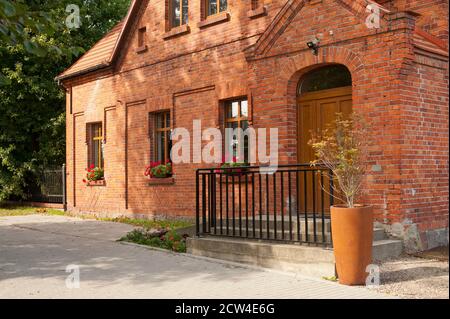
<point>191,73</point>
<point>433,14</point>
<point>424,163</point>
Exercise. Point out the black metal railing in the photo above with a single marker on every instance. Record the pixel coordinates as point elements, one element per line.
<point>289,204</point>
<point>48,186</point>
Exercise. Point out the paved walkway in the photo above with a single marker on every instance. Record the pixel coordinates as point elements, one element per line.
<point>35,251</point>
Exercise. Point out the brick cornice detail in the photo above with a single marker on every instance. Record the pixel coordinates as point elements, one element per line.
<point>276,28</point>
<point>285,16</point>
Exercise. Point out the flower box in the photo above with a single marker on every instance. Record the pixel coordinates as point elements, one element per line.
<point>233,168</point>
<point>98,183</point>
<point>158,170</point>
<point>95,176</point>
<point>161,181</point>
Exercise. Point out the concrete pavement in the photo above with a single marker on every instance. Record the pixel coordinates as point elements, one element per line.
<point>35,251</point>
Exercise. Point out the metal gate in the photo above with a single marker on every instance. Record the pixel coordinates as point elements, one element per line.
<point>49,186</point>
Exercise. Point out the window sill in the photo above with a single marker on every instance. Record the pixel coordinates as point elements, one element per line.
<point>177,31</point>
<point>100,183</point>
<point>259,12</point>
<point>214,19</point>
<point>161,181</point>
<point>142,49</point>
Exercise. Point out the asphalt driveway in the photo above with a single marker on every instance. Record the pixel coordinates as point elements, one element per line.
<point>35,252</point>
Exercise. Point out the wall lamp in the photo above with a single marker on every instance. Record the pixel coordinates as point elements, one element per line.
<point>314,46</point>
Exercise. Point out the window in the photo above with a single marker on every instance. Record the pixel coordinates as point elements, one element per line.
<point>329,77</point>
<point>142,41</point>
<point>179,11</point>
<point>236,116</point>
<point>255,4</point>
<point>215,6</point>
<point>163,142</point>
<point>95,143</point>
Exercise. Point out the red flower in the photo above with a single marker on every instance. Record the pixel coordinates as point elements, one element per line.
<point>92,166</point>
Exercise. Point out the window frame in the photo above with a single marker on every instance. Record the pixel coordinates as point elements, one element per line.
<point>172,15</point>
<point>94,128</point>
<point>142,32</point>
<point>240,119</point>
<point>207,7</point>
<point>165,130</point>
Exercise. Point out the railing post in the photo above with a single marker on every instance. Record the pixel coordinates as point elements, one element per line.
<point>197,215</point>
<point>331,204</point>
<point>64,185</point>
<point>204,220</point>
<point>213,202</point>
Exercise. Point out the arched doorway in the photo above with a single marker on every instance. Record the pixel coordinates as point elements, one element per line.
<point>322,93</point>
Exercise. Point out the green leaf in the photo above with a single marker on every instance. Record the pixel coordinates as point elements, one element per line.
<point>34,48</point>
<point>4,80</point>
<point>7,8</point>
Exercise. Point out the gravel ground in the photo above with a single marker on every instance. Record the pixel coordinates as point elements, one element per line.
<point>415,278</point>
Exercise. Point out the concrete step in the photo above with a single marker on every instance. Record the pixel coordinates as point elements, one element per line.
<point>279,235</point>
<point>379,234</point>
<point>312,261</point>
<point>386,249</point>
<point>304,259</point>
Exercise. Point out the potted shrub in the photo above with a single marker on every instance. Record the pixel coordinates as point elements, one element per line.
<point>342,149</point>
<point>94,176</point>
<point>159,170</point>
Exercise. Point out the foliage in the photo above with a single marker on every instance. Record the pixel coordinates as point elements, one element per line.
<point>159,170</point>
<point>36,46</point>
<point>152,224</point>
<point>332,279</point>
<point>343,149</point>
<point>232,167</point>
<point>94,174</point>
<point>165,239</point>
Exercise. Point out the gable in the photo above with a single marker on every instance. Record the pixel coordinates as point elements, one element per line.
<point>426,42</point>
<point>292,8</point>
<point>98,56</point>
<point>104,53</point>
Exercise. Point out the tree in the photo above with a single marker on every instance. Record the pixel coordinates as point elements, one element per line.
<point>35,46</point>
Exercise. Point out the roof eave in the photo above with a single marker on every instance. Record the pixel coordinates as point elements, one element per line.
<point>83,72</point>
<point>135,5</point>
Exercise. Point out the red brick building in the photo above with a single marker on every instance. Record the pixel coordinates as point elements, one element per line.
<point>186,61</point>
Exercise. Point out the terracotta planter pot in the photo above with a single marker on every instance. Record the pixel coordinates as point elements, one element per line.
<point>353,243</point>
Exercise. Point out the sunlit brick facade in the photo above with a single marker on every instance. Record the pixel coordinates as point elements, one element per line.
<point>257,50</point>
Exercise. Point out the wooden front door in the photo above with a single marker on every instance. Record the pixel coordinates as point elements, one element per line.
<point>315,111</point>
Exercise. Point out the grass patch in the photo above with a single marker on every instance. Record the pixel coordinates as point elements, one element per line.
<point>144,223</point>
<point>164,239</point>
<point>151,224</point>
<point>25,211</point>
